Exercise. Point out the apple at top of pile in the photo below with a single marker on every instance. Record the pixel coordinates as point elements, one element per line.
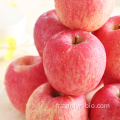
<point>88,15</point>
<point>74,61</point>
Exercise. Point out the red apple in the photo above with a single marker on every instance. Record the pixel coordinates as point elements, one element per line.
<point>109,35</point>
<point>23,76</point>
<point>88,15</point>
<point>46,103</point>
<point>46,26</point>
<point>108,80</point>
<point>105,104</point>
<point>74,61</point>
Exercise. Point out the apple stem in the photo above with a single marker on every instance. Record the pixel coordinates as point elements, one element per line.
<point>119,26</point>
<point>76,38</point>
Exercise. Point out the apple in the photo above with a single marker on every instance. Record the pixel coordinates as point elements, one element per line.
<point>74,62</point>
<point>105,104</point>
<point>46,26</point>
<point>109,36</point>
<point>22,77</point>
<point>90,94</point>
<point>88,15</point>
<point>109,80</point>
<point>46,103</point>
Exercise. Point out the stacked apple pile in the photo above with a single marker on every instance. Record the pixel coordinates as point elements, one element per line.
<point>70,41</point>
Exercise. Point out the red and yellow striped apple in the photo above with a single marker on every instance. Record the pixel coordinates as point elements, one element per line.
<point>74,62</point>
<point>46,103</point>
<point>88,15</point>
<point>106,103</point>
<point>22,77</point>
<point>109,35</point>
<point>46,26</point>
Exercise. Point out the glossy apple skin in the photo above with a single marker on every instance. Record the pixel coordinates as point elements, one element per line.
<point>108,95</point>
<point>88,15</point>
<point>46,103</point>
<point>46,26</point>
<point>74,69</point>
<point>109,35</point>
<point>22,77</point>
<point>109,80</point>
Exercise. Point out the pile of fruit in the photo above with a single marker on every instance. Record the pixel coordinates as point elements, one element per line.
<point>79,46</point>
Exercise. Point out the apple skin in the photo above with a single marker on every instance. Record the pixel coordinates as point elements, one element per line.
<point>46,26</point>
<point>108,95</point>
<point>109,35</point>
<point>22,77</point>
<point>108,80</point>
<point>46,103</point>
<point>74,69</point>
<point>88,15</point>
